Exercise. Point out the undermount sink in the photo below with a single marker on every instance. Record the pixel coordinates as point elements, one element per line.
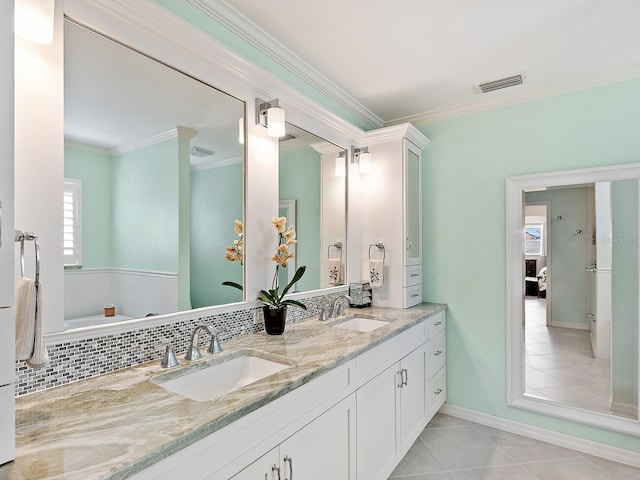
<point>360,324</point>
<point>214,381</point>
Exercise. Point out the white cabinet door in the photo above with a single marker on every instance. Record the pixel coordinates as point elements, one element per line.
<point>7,424</point>
<point>324,448</point>
<point>412,159</point>
<point>412,411</point>
<point>6,154</point>
<point>376,425</point>
<point>265,468</point>
<point>7,348</point>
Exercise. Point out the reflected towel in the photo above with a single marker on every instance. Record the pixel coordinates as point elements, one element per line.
<point>335,271</point>
<point>376,273</point>
<point>29,342</point>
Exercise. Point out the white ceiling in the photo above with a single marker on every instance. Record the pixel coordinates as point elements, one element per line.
<point>421,59</point>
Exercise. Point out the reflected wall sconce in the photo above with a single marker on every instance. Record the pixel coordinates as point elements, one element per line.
<point>33,20</point>
<point>362,158</point>
<point>341,165</point>
<point>271,116</point>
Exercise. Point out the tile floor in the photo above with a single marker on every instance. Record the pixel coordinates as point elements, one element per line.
<point>560,365</point>
<point>454,449</point>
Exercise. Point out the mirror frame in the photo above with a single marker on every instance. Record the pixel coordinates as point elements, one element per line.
<point>514,291</point>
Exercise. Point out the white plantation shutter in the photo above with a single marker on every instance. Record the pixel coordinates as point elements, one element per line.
<point>72,233</point>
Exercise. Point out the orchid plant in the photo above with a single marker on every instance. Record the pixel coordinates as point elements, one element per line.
<point>281,257</point>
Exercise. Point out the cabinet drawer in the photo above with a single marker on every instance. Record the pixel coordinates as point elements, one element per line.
<point>436,392</point>
<point>413,275</point>
<point>436,325</point>
<point>412,296</point>
<point>436,354</point>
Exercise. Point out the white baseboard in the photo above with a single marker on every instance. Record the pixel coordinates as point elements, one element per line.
<point>575,326</point>
<point>623,409</point>
<point>590,447</point>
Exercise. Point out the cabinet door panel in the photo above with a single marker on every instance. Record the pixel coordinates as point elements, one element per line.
<point>322,449</point>
<point>412,398</point>
<point>376,426</point>
<point>412,203</point>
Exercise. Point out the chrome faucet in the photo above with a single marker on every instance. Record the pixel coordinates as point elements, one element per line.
<point>337,310</point>
<point>193,352</point>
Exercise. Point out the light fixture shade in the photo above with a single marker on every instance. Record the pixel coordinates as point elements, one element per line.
<point>341,167</point>
<point>275,122</point>
<point>366,164</point>
<point>34,20</point>
<point>241,130</point>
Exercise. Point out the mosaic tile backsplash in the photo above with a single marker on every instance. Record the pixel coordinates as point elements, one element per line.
<point>87,357</point>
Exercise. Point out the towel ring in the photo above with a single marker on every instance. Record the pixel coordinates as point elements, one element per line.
<point>21,237</point>
<point>338,246</point>
<point>379,246</point>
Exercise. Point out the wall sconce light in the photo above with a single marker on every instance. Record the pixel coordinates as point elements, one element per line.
<point>341,165</point>
<point>33,20</point>
<point>270,115</point>
<point>363,158</point>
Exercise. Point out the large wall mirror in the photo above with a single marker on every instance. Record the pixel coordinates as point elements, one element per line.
<point>573,289</point>
<point>154,177</point>
<point>312,193</point>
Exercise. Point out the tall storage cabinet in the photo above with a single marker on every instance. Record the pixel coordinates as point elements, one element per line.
<point>392,214</point>
<point>7,363</point>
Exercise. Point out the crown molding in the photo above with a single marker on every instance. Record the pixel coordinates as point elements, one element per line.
<point>326,148</point>
<point>199,167</point>
<point>86,148</point>
<point>182,132</point>
<point>538,94</point>
<point>225,14</point>
<point>397,132</point>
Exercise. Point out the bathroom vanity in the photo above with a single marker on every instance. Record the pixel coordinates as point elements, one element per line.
<point>348,404</point>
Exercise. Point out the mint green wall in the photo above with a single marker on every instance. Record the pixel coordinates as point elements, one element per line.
<point>569,253</point>
<point>465,168</point>
<point>145,208</point>
<point>95,172</point>
<point>216,202</point>
<point>299,178</point>
<point>624,287</point>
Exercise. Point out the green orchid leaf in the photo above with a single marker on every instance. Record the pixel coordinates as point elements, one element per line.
<point>295,303</point>
<point>234,285</point>
<point>299,273</point>
<point>266,297</point>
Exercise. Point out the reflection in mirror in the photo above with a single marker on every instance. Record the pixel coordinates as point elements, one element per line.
<point>155,175</point>
<point>579,295</point>
<point>313,198</point>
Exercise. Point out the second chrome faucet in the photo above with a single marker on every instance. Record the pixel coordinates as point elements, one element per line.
<point>193,352</point>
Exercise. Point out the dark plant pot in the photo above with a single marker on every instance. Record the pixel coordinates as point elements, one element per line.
<point>274,319</point>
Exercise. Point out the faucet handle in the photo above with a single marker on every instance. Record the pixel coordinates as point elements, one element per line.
<point>340,310</point>
<point>214,346</point>
<point>169,360</point>
<point>325,313</point>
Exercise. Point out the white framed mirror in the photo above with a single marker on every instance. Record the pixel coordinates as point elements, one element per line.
<point>161,167</point>
<point>572,295</point>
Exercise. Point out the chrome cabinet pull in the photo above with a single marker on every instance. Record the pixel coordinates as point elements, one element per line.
<point>405,377</point>
<point>274,468</point>
<point>437,352</point>
<point>290,460</point>
<point>438,391</point>
<point>401,380</point>
<point>438,323</point>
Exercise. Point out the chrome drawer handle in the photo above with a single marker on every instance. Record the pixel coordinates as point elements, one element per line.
<point>274,468</point>
<point>290,460</point>
<point>415,295</point>
<point>437,352</point>
<point>438,324</point>
<point>415,274</point>
<point>438,391</point>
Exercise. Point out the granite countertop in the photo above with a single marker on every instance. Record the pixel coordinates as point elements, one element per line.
<point>114,425</point>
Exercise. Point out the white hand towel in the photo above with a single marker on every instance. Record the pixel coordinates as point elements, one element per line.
<point>25,300</point>
<point>29,342</point>
<point>376,273</point>
<point>335,271</point>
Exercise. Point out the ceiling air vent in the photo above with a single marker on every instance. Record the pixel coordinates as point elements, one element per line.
<point>499,84</point>
<point>201,152</point>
